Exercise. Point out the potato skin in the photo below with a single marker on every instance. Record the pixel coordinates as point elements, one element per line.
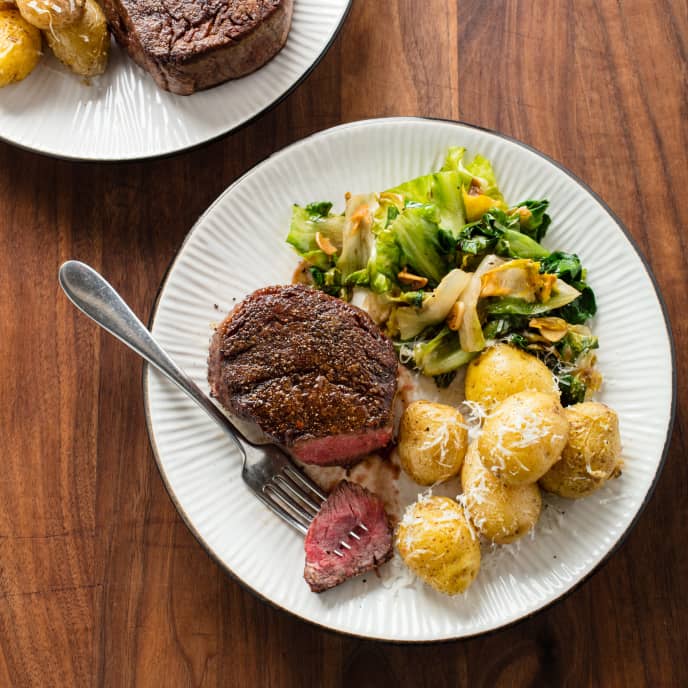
<point>438,544</point>
<point>592,454</point>
<point>20,47</point>
<point>83,46</point>
<point>47,14</point>
<point>523,437</point>
<point>432,442</point>
<point>502,513</point>
<point>503,370</point>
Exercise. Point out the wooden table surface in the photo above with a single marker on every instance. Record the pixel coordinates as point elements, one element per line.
<point>101,584</point>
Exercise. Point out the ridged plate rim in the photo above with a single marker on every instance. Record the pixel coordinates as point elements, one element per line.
<point>672,358</point>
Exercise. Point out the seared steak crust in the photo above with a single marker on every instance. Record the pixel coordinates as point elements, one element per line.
<point>349,506</point>
<point>307,368</point>
<point>188,45</point>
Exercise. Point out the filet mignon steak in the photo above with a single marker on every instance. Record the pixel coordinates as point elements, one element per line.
<point>346,508</point>
<point>189,45</point>
<point>313,372</point>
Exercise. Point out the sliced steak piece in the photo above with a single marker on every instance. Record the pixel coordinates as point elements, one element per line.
<point>189,45</point>
<point>313,372</point>
<point>348,506</point>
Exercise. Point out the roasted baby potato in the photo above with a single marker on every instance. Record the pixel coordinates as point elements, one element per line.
<point>524,437</point>
<point>502,513</point>
<point>20,47</point>
<point>51,14</point>
<point>432,442</point>
<point>592,454</point>
<point>85,45</point>
<point>503,370</point>
<point>438,544</point>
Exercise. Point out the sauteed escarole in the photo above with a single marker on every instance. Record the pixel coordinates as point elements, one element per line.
<point>448,267</point>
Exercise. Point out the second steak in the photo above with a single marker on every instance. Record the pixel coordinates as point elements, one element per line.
<point>313,372</point>
<point>189,45</point>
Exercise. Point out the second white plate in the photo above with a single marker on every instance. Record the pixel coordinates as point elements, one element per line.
<point>123,115</point>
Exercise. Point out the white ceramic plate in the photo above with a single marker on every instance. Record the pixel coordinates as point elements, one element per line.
<point>238,246</point>
<point>123,115</point>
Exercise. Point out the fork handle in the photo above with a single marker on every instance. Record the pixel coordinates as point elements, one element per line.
<point>95,297</point>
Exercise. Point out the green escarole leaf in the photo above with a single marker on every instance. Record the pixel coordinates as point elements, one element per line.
<point>329,281</point>
<point>440,355</point>
<point>441,189</point>
<point>305,224</point>
<point>417,234</point>
<point>517,245</point>
<point>435,307</point>
<point>572,389</point>
<point>480,170</point>
<point>562,294</point>
<point>576,343</point>
<point>533,218</point>
<point>581,309</point>
<point>567,266</point>
<point>357,235</point>
<point>319,209</point>
<point>564,265</point>
<point>499,233</point>
<point>453,158</point>
<point>384,264</point>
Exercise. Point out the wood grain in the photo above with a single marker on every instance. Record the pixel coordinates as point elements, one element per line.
<point>100,582</point>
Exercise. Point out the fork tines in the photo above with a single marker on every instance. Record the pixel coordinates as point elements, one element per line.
<point>296,497</point>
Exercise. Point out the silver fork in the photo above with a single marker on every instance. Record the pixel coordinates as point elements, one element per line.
<point>266,469</point>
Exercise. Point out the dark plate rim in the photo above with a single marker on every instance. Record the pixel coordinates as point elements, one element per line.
<point>612,550</point>
<point>205,142</point>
